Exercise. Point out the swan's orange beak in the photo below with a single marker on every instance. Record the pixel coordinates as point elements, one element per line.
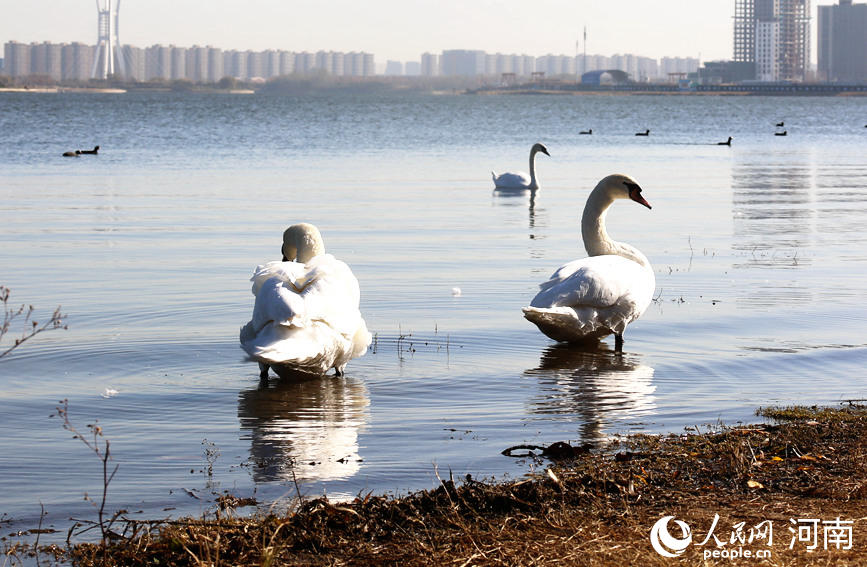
<point>635,195</point>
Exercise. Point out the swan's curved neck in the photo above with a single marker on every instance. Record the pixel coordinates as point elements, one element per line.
<point>533,183</point>
<point>596,239</point>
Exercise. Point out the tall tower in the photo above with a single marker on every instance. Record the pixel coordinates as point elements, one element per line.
<point>108,58</point>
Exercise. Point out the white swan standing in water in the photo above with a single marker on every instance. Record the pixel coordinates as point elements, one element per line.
<point>593,297</point>
<point>306,317</point>
<point>520,181</point>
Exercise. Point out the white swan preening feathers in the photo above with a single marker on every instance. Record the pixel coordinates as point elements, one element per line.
<point>520,181</point>
<point>590,298</point>
<point>306,317</point>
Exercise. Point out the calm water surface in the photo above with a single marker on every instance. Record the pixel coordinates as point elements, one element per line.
<point>759,250</point>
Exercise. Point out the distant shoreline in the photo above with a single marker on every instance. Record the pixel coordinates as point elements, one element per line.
<point>752,89</point>
<point>61,90</point>
<point>544,92</point>
<point>569,90</point>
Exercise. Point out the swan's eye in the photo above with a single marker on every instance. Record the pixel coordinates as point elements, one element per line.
<point>632,187</point>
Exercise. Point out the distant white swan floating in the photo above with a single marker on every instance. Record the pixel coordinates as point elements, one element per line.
<point>590,298</point>
<point>519,180</point>
<point>306,317</point>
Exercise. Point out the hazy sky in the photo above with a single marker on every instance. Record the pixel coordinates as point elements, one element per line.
<point>395,29</point>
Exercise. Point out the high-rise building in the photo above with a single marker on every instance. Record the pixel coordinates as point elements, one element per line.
<point>271,62</point>
<point>677,65</point>
<point>287,63</point>
<point>158,64</point>
<point>369,67</point>
<point>842,49</point>
<point>235,64</point>
<point>430,64</point>
<point>178,58</point>
<point>134,58</point>
<point>767,59</point>
<point>77,61</point>
<point>45,59</point>
<point>554,65</point>
<point>16,58</point>
<point>197,64</point>
<point>773,36</point>
<point>255,65</point>
<point>215,64</point>
<point>305,62</point>
<point>393,68</point>
<point>462,62</point>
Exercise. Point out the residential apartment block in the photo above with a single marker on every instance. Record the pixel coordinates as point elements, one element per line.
<point>842,37</point>
<point>207,64</point>
<point>773,36</point>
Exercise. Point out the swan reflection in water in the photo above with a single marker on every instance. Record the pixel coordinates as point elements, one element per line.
<point>516,199</point>
<point>308,426</point>
<point>595,384</point>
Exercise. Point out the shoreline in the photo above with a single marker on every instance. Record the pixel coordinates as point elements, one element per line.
<point>812,91</point>
<point>665,92</point>
<point>739,491</point>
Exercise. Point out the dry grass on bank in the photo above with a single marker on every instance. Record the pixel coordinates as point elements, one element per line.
<point>593,508</point>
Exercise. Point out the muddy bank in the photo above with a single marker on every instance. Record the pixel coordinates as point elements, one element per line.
<point>787,492</point>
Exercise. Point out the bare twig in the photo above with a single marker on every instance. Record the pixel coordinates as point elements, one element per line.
<point>101,450</point>
<point>31,327</point>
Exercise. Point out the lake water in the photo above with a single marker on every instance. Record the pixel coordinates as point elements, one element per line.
<point>759,249</point>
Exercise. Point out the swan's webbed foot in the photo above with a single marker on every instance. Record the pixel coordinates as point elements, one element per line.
<point>618,342</point>
<point>263,371</point>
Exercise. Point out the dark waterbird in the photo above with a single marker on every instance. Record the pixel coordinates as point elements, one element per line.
<point>780,124</point>
<point>726,143</point>
<point>645,133</point>
<point>94,151</point>
<point>783,133</point>
<point>76,153</point>
<point>590,131</point>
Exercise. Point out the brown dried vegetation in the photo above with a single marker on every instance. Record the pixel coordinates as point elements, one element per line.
<point>594,508</point>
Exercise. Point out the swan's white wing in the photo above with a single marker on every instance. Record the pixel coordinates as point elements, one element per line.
<point>597,281</point>
<point>512,180</point>
<point>592,297</point>
<point>284,271</point>
<point>331,294</point>
<point>306,315</point>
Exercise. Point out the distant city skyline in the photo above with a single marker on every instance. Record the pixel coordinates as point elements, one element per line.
<point>398,31</point>
<point>77,61</point>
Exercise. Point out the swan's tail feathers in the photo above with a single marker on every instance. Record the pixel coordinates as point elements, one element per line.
<point>567,324</point>
<point>314,348</point>
<point>360,341</point>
